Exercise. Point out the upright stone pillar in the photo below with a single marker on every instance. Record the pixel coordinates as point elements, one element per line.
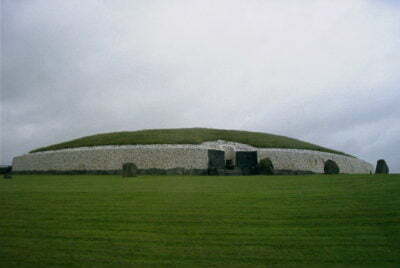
<point>129,170</point>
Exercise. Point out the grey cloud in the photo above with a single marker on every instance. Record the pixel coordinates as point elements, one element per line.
<point>323,72</point>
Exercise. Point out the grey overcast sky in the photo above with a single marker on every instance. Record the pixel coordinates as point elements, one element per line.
<point>326,72</point>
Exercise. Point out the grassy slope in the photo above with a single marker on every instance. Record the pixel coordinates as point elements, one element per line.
<point>172,220</point>
<point>187,136</point>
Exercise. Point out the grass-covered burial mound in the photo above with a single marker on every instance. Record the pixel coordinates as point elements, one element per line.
<point>188,136</point>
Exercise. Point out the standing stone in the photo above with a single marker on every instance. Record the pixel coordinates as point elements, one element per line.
<point>381,167</point>
<point>266,167</point>
<point>330,167</point>
<point>129,170</point>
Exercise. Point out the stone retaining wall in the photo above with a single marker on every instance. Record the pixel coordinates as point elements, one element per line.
<point>305,160</point>
<point>113,158</point>
<point>169,157</point>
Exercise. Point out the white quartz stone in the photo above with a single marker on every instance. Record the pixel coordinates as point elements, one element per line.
<point>188,156</point>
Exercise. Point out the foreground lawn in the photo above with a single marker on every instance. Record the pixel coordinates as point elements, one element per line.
<point>181,220</point>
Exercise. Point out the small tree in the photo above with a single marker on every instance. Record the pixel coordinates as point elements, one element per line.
<point>331,167</point>
<point>381,167</point>
<point>266,167</point>
<point>129,170</point>
<point>5,169</point>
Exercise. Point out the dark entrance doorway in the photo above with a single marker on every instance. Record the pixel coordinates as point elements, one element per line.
<point>229,164</point>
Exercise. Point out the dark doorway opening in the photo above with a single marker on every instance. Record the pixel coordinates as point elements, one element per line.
<point>229,164</point>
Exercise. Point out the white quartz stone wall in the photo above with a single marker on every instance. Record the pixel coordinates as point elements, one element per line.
<point>306,160</point>
<point>178,156</point>
<point>113,158</point>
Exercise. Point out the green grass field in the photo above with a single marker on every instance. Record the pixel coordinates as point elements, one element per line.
<point>200,221</point>
<point>187,136</point>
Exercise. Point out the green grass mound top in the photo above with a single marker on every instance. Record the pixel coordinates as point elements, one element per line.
<point>187,136</point>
